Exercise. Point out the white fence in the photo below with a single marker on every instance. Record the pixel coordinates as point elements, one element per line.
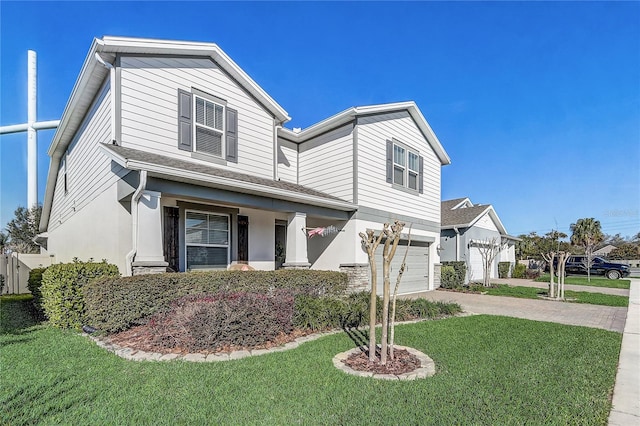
<point>15,268</point>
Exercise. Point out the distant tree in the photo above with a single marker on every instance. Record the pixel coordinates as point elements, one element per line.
<point>587,233</point>
<point>532,245</point>
<point>625,251</point>
<point>4,241</point>
<point>23,228</point>
<point>614,240</point>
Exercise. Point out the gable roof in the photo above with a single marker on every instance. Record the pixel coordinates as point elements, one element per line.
<point>350,114</point>
<point>93,74</point>
<point>180,170</point>
<point>454,216</point>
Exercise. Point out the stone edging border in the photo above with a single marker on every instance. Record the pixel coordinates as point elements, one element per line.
<point>427,366</point>
<point>137,355</point>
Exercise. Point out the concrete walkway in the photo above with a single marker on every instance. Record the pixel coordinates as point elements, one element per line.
<point>626,393</point>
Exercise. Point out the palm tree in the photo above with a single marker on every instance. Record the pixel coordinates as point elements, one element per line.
<point>587,233</point>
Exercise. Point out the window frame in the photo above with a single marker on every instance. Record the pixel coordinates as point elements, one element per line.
<point>187,244</point>
<point>194,128</point>
<point>406,168</point>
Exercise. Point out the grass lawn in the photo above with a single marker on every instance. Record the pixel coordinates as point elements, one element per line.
<point>490,370</point>
<point>579,296</point>
<point>595,281</point>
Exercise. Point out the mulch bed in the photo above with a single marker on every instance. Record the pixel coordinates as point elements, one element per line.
<point>141,338</point>
<point>403,362</point>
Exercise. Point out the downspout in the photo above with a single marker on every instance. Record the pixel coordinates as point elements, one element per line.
<point>135,198</point>
<point>276,125</point>
<point>112,88</point>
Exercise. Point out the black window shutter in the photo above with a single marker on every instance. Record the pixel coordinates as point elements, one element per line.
<point>184,121</point>
<point>232,135</point>
<point>421,176</point>
<point>389,161</point>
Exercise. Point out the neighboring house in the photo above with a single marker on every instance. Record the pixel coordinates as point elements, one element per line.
<point>604,251</point>
<point>169,155</point>
<point>467,227</point>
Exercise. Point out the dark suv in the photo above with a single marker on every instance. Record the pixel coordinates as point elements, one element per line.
<point>599,266</point>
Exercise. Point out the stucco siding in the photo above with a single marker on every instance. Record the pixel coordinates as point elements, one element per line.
<point>149,114</point>
<point>89,173</point>
<point>101,230</point>
<point>326,163</point>
<point>287,161</point>
<point>373,189</point>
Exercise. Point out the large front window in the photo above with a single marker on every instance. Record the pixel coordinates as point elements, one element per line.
<point>209,128</point>
<point>207,240</point>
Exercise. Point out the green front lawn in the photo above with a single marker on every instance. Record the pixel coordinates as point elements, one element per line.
<point>578,296</point>
<point>490,370</point>
<point>595,281</point>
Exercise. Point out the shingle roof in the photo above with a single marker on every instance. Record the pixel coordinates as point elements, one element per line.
<point>449,204</point>
<point>130,154</point>
<point>461,216</point>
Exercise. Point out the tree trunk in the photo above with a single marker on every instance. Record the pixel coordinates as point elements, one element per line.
<point>395,296</point>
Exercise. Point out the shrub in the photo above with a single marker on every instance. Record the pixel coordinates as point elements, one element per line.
<point>62,290</point>
<point>115,304</point>
<point>210,322</point>
<point>503,269</point>
<point>455,278</point>
<point>518,270</point>
<point>532,274</point>
<point>33,284</point>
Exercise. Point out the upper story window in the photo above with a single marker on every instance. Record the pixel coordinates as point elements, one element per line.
<point>206,125</point>
<point>209,127</point>
<point>404,167</point>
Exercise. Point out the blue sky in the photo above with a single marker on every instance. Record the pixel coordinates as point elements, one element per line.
<point>537,103</point>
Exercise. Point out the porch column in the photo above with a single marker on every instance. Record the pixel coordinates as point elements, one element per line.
<point>296,242</point>
<point>149,257</point>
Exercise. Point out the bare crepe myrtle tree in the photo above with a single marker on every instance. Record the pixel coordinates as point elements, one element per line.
<point>548,257</point>
<point>395,295</point>
<point>563,257</point>
<point>489,249</point>
<point>391,235</point>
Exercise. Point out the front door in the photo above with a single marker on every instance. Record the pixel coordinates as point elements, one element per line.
<point>281,243</point>
<point>171,246</point>
<point>243,239</point>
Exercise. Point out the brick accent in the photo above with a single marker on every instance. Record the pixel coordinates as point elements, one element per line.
<point>358,274</point>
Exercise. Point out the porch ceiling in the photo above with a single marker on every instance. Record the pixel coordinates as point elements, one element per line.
<point>185,171</point>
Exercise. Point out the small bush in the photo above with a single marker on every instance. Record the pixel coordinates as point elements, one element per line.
<point>211,322</point>
<point>503,269</point>
<point>33,284</point>
<point>115,304</point>
<point>532,274</point>
<point>455,278</point>
<point>518,270</point>
<point>62,290</point>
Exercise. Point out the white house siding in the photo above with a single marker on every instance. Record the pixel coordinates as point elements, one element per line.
<point>89,173</point>
<point>485,222</point>
<point>287,161</point>
<point>373,189</point>
<point>326,163</point>
<point>101,230</point>
<point>328,253</point>
<point>149,93</point>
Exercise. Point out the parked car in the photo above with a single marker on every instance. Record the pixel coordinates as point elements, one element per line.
<point>577,265</point>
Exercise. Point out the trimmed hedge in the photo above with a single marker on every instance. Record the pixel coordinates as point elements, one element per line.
<point>503,269</point>
<point>116,304</point>
<point>62,290</point>
<point>213,322</point>
<point>33,284</point>
<point>455,278</point>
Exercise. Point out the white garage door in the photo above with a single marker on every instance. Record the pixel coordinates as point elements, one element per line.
<point>416,273</point>
<point>475,273</point>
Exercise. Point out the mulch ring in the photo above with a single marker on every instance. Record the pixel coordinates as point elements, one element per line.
<point>402,362</point>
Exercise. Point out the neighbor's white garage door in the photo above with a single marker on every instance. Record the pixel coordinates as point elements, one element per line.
<point>416,274</point>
